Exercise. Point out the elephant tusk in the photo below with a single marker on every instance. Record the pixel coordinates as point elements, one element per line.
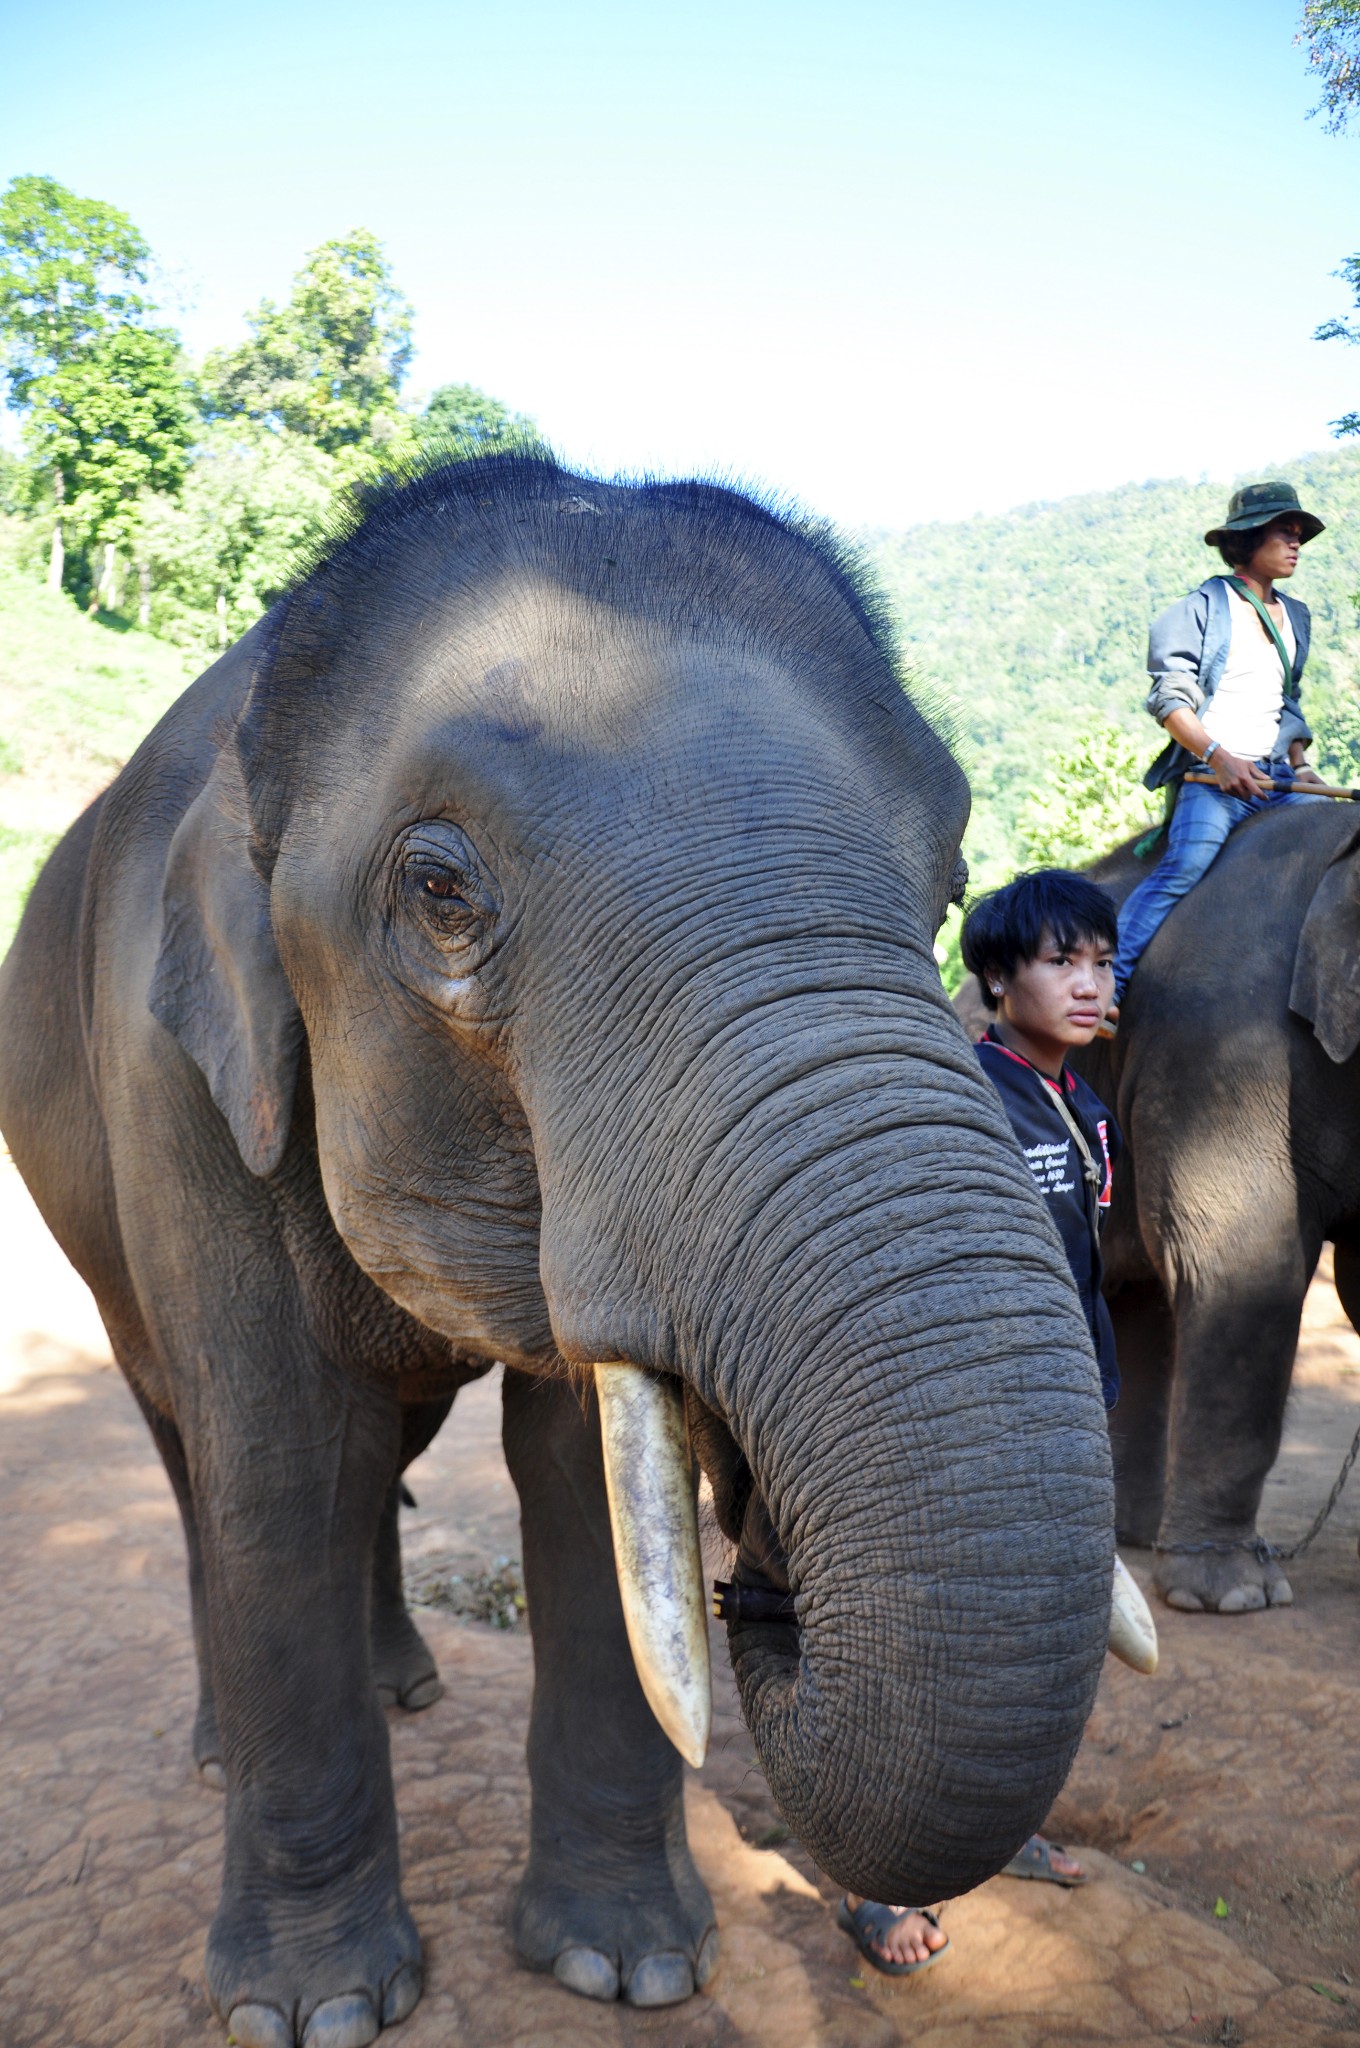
<point>1133,1632</point>
<point>650,1484</point>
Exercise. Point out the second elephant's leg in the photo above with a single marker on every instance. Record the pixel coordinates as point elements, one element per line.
<point>1236,1334</point>
<point>1145,1336</point>
<point>610,1901</point>
<point>404,1670</point>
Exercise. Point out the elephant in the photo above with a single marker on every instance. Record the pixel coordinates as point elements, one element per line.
<point>518,947</point>
<point>1235,1080</point>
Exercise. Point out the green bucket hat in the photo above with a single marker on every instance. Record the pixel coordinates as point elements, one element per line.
<point>1257,505</point>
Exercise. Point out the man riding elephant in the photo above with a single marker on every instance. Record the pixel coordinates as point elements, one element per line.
<point>1225,664</point>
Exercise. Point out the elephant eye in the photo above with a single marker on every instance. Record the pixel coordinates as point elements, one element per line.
<point>443,898</point>
<point>445,887</point>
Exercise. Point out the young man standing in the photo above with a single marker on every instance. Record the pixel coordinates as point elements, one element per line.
<point>1042,949</point>
<point>1225,664</point>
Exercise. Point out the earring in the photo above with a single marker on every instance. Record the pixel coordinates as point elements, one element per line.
<point>996,988</point>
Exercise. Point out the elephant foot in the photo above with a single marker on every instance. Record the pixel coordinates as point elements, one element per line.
<point>1220,1582</point>
<point>310,1993</point>
<point>404,1671</point>
<point>651,1943</point>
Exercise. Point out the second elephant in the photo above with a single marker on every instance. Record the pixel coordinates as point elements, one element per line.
<point>1236,1082</point>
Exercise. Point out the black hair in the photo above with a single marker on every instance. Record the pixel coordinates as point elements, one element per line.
<point>1009,926</point>
<point>1237,549</point>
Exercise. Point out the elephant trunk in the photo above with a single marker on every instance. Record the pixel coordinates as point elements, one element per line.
<point>940,1493</point>
<point>854,1272</point>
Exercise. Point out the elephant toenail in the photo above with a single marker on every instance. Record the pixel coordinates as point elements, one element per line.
<point>212,1775</point>
<point>1242,1600</point>
<point>259,2026</point>
<point>423,1693</point>
<point>662,1979</point>
<point>706,1962</point>
<point>1182,1597</point>
<point>402,1994</point>
<point>1281,1593</point>
<point>348,2022</point>
<point>587,1971</point>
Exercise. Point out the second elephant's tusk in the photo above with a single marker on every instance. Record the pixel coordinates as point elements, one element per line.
<point>1133,1632</point>
<point>656,1548</point>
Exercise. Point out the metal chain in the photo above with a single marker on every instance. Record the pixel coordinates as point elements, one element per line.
<point>1264,1551</point>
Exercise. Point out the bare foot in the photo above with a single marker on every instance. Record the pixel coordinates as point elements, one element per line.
<point>910,1939</point>
<point>1062,1864</point>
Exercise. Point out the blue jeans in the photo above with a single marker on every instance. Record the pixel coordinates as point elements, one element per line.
<point>1200,823</point>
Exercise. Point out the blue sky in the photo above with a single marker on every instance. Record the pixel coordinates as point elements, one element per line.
<point>899,261</point>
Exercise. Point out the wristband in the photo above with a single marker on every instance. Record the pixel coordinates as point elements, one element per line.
<point>1207,756</point>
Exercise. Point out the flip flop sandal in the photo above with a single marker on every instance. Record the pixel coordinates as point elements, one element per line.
<point>870,1922</point>
<point>1036,1860</point>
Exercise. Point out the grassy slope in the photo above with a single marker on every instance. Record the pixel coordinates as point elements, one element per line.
<point>76,696</point>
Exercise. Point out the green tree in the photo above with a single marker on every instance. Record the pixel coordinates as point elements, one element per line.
<point>1331,31</point>
<point>1091,797</point>
<point>329,364</point>
<point>255,502</point>
<point>1344,330</point>
<point>461,420</point>
<point>68,271</point>
<point>113,421</point>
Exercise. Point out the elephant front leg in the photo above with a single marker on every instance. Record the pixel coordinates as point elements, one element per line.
<point>311,1942</point>
<point>1234,1356</point>
<point>610,1900</point>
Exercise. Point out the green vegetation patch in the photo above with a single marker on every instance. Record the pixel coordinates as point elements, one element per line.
<point>76,698</point>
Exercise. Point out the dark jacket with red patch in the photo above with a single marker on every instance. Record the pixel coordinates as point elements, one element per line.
<point>1030,1101</point>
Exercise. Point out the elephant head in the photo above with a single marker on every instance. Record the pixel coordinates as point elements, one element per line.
<point>584,843</point>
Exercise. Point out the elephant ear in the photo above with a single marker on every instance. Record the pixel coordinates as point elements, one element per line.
<point>1326,986</point>
<point>219,985</point>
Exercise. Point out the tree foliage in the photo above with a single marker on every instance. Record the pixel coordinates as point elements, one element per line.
<point>1090,798</point>
<point>1331,31</point>
<point>255,501</point>
<point>1345,330</point>
<point>115,419</point>
<point>67,268</point>
<point>103,393</point>
<point>329,364</point>
<point>461,420</point>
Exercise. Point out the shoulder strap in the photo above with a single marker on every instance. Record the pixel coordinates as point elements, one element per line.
<point>1090,1172</point>
<point>1245,590</point>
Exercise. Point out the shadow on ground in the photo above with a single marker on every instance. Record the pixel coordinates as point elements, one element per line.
<point>1228,1777</point>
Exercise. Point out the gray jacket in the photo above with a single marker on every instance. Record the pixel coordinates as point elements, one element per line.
<point>1187,648</point>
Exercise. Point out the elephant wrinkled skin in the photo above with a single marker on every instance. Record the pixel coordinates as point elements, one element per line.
<point>519,947</point>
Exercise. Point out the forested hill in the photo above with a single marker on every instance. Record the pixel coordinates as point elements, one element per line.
<point>1032,626</point>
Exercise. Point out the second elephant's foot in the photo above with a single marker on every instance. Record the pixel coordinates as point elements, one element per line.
<point>404,1671</point>
<point>652,1943</point>
<point>1220,1582</point>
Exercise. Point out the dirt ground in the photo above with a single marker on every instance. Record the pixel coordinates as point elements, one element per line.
<point>1229,1777</point>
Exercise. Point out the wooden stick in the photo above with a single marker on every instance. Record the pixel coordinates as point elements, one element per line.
<point>1348,796</point>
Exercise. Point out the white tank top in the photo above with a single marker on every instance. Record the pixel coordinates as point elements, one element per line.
<point>1244,715</point>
